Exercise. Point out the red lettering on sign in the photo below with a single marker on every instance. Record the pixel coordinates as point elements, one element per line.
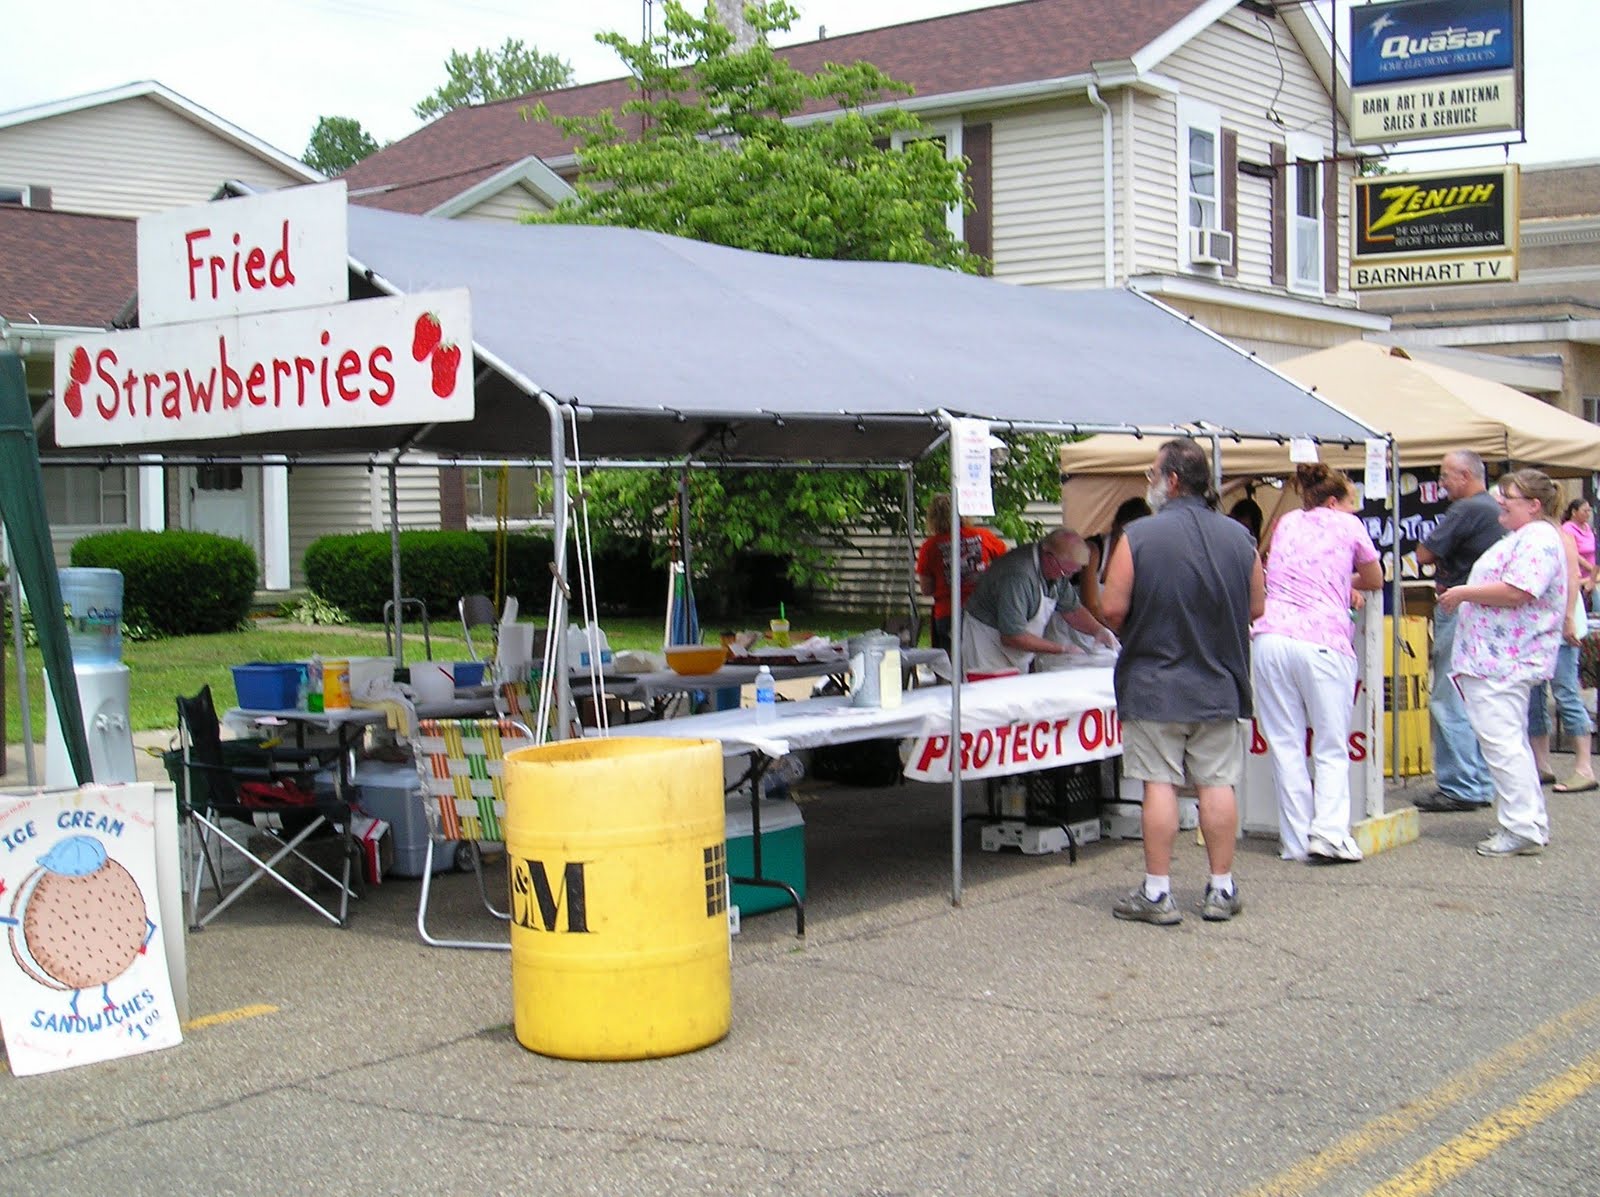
<point>381,394</point>
<point>1061,730</point>
<point>232,384</point>
<point>254,385</point>
<point>1041,740</point>
<point>1358,746</point>
<point>1090,740</point>
<point>932,750</point>
<point>104,362</point>
<point>983,748</point>
<point>966,750</point>
<point>349,365</point>
<point>1019,743</point>
<point>243,267</point>
<point>1258,742</point>
<point>1002,741</point>
<point>1113,729</point>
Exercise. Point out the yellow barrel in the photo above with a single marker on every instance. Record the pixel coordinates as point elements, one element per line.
<point>1416,733</point>
<point>336,685</point>
<point>619,907</point>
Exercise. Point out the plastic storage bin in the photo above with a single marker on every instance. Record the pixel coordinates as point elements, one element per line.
<point>783,853</point>
<point>393,793</point>
<point>264,687</point>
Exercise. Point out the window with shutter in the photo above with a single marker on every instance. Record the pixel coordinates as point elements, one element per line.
<point>1305,223</point>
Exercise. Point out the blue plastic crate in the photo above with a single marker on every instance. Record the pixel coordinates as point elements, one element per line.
<point>267,687</point>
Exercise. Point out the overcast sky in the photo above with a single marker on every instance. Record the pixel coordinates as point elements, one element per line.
<point>275,66</point>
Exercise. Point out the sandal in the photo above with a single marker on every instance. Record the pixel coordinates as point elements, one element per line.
<point>1546,776</point>
<point>1577,784</point>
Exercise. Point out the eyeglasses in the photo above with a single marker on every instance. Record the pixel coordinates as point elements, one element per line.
<point>1502,498</point>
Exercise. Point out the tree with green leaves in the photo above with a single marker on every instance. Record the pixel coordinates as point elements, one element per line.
<point>484,75</point>
<point>338,143</point>
<point>717,160</point>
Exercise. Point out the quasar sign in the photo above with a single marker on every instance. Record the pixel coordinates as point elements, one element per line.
<point>1422,39</point>
<point>1429,69</point>
<point>376,362</point>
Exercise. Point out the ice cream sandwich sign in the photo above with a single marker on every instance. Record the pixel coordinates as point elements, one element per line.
<point>83,969</point>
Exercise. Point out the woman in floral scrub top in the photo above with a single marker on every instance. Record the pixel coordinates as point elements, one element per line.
<point>1303,664</point>
<point>1512,609</point>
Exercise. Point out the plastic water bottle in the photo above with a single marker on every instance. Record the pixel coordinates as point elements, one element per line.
<point>766,697</point>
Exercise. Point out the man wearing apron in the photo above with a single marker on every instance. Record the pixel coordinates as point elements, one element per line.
<point>1016,596</point>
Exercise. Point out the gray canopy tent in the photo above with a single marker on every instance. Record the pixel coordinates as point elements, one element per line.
<point>681,352</point>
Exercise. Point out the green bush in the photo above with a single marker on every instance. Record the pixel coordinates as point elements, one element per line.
<point>352,571</point>
<point>176,583</point>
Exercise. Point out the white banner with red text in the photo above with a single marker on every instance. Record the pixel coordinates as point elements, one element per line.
<point>1020,746</point>
<point>406,360</point>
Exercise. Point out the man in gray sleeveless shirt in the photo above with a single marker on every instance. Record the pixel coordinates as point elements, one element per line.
<point>1181,589</point>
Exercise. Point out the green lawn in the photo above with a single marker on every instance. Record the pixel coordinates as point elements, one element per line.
<point>163,669</point>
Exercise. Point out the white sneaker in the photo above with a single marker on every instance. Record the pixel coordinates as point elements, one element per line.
<point>1320,850</point>
<point>1507,843</point>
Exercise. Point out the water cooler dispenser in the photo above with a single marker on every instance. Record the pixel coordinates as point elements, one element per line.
<point>93,599</point>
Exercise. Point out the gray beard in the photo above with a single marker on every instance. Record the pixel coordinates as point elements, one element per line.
<point>1157,497</point>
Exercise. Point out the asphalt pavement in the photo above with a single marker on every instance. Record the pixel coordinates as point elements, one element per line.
<point>1426,1021</point>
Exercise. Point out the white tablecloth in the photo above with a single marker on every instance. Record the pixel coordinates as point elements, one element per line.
<point>1011,703</point>
<point>650,687</point>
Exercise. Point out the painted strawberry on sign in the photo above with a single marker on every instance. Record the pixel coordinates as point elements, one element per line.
<point>446,362</point>
<point>79,369</point>
<point>73,398</point>
<point>425,337</point>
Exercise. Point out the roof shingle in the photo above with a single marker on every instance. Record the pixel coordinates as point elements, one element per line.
<point>991,47</point>
<point>65,268</point>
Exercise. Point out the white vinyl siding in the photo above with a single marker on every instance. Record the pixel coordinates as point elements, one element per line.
<point>1048,189</point>
<point>1156,195</point>
<point>128,158</point>
<point>333,499</point>
<point>1234,66</point>
<point>509,205</point>
<point>82,501</point>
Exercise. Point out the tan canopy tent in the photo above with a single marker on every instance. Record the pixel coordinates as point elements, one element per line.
<point>1428,409</point>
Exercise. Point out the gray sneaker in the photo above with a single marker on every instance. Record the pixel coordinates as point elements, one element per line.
<point>1219,907</point>
<point>1137,908</point>
<point>1506,843</point>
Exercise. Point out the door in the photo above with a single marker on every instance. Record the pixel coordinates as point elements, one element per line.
<point>224,499</point>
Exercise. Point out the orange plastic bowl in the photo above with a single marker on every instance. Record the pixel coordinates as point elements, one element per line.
<point>693,660</point>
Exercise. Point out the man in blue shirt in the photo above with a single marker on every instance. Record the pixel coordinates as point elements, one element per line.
<point>1467,529</point>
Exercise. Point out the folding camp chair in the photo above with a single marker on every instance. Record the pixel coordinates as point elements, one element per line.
<point>462,765</point>
<point>271,788</point>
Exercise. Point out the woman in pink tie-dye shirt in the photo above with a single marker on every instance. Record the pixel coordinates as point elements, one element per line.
<point>1513,607</point>
<point>1303,664</point>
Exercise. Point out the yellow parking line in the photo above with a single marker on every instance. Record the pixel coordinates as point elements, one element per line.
<point>1400,1122</point>
<point>214,1020</point>
<point>1476,1142</point>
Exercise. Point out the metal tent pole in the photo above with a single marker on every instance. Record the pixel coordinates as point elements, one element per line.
<point>1397,612</point>
<point>22,670</point>
<point>394,564</point>
<point>957,674</point>
<point>558,478</point>
<point>911,549</point>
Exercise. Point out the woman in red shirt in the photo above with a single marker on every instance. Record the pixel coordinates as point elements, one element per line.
<point>979,546</point>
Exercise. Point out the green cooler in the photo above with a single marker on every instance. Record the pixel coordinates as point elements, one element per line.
<point>783,853</point>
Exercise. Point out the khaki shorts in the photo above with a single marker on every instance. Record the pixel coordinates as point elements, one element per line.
<point>1212,754</point>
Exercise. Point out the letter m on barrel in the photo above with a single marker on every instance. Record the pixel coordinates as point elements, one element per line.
<point>537,906</point>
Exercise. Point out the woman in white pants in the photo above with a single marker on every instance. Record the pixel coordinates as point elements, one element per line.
<point>1512,609</point>
<point>1303,663</point>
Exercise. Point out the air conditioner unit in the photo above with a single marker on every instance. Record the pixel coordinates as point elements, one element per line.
<point>1211,247</point>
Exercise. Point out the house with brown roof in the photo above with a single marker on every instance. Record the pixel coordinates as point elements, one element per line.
<point>74,176</point>
<point>1184,147</point>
